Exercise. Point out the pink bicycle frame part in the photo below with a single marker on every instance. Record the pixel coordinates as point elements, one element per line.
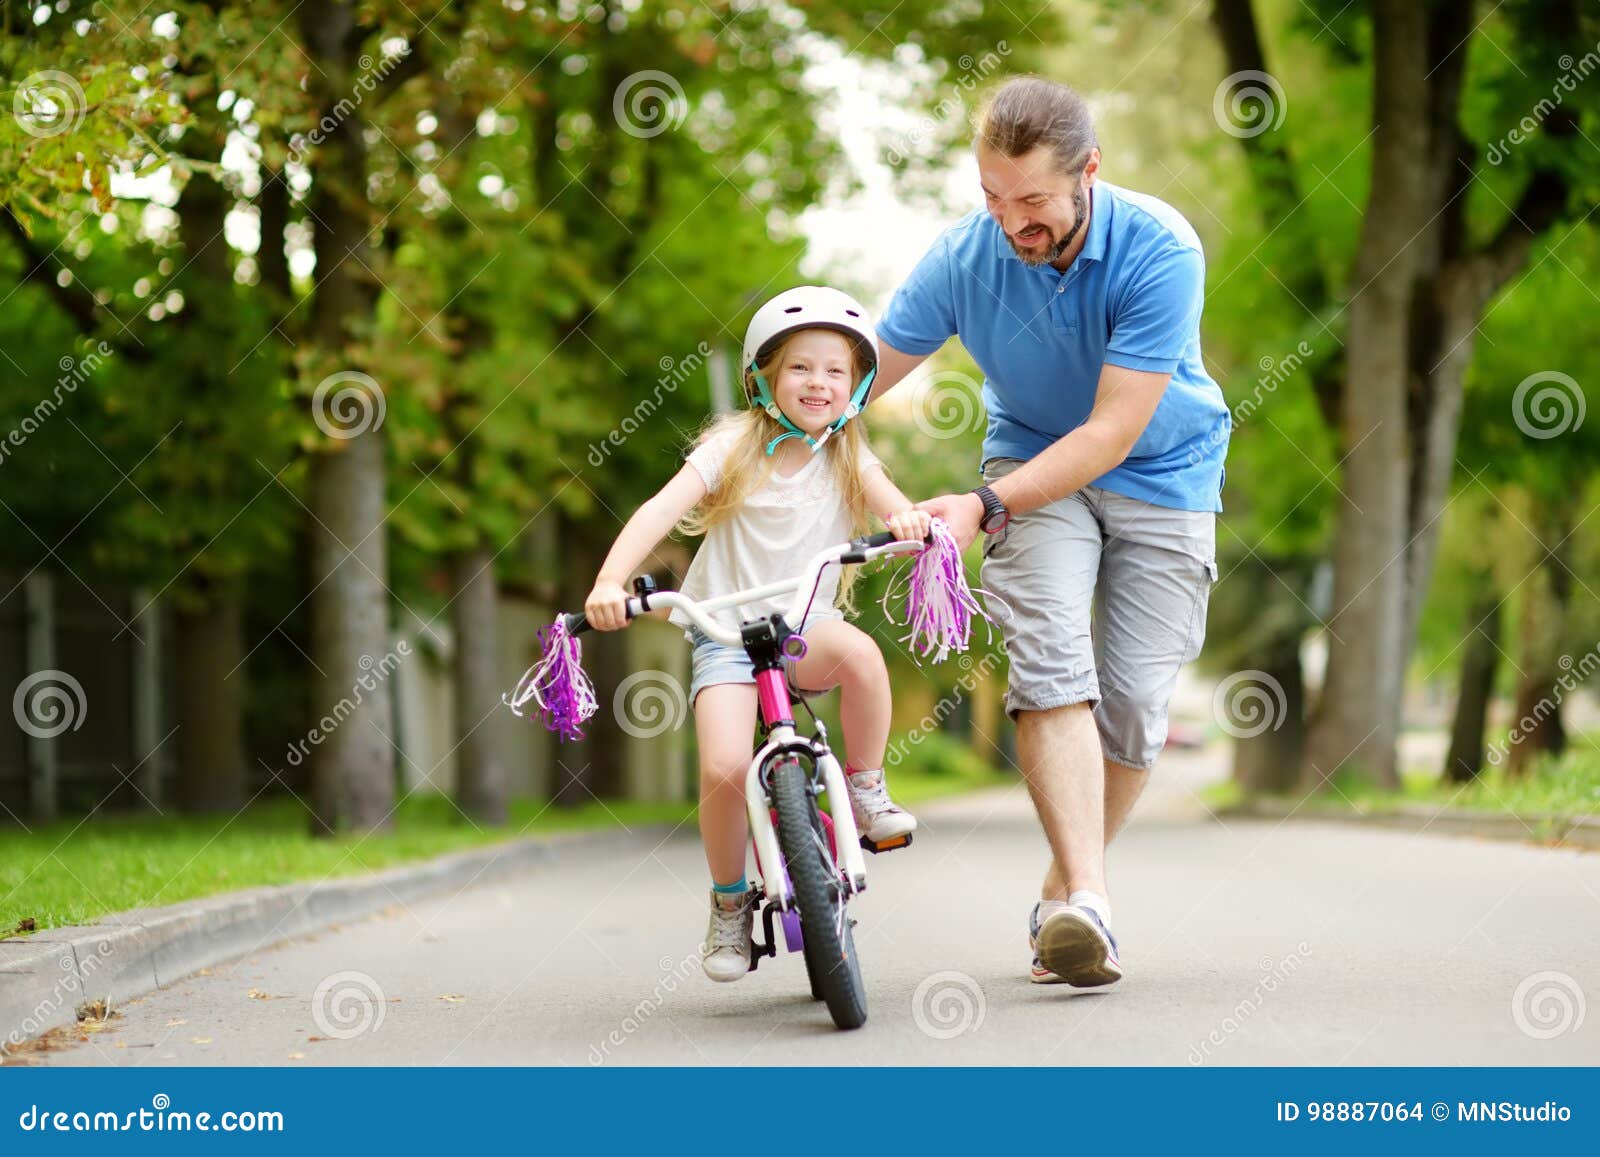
<point>773,693</point>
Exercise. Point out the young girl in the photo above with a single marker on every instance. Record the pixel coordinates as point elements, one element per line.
<point>769,487</point>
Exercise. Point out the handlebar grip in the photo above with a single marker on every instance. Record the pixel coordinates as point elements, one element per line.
<point>577,622</point>
<point>882,538</point>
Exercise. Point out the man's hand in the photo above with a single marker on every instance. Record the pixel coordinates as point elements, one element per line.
<point>961,512</point>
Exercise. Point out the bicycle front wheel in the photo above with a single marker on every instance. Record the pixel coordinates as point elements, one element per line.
<point>830,948</point>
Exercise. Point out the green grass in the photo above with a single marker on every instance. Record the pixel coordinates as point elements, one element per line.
<point>73,873</point>
<point>64,873</point>
<point>1564,786</point>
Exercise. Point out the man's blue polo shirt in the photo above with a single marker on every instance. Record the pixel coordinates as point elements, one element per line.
<point>1131,298</point>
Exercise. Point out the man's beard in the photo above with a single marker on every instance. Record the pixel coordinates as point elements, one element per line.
<point>1080,207</point>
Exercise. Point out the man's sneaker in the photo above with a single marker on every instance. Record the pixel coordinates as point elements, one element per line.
<point>1042,975</point>
<point>726,951</point>
<point>1073,946</point>
<point>877,816</point>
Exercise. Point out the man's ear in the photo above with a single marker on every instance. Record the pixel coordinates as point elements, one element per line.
<point>1091,167</point>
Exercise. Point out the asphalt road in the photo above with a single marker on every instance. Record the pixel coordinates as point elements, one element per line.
<point>1244,942</point>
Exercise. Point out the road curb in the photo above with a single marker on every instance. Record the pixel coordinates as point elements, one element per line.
<point>1577,832</point>
<point>45,977</point>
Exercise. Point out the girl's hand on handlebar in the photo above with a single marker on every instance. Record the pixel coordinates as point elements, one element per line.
<point>910,525</point>
<point>607,606</point>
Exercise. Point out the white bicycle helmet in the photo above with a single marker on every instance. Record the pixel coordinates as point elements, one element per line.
<point>809,307</point>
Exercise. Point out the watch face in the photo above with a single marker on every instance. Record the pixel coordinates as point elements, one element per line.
<point>993,522</point>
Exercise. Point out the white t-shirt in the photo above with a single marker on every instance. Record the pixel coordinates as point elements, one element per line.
<point>781,525</point>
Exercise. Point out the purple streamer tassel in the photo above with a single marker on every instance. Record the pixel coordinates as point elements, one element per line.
<point>557,684</point>
<point>939,604</point>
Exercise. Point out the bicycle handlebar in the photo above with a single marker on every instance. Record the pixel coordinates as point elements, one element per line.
<point>857,550</point>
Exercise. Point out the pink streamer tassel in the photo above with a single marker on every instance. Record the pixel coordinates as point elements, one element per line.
<point>557,684</point>
<point>939,603</point>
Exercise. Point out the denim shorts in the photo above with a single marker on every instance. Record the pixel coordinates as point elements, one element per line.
<point>1145,570</point>
<point>714,662</point>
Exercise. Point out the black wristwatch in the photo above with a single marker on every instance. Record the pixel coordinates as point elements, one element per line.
<point>995,514</point>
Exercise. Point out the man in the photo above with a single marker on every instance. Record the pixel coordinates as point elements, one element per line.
<point>1102,469</point>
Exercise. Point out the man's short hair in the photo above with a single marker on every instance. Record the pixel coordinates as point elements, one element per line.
<point>1030,111</point>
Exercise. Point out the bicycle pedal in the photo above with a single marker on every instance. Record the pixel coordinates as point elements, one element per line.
<point>888,845</point>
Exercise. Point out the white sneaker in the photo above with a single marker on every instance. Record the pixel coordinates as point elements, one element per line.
<point>877,816</point>
<point>725,955</point>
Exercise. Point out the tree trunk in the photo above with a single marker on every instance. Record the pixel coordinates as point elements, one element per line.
<point>208,645</point>
<point>1478,664</point>
<point>352,761</point>
<point>1537,728</point>
<point>1269,763</point>
<point>353,766</point>
<point>480,775</point>
<point>1357,720</point>
<point>1455,282</point>
<point>272,258</point>
<point>209,636</point>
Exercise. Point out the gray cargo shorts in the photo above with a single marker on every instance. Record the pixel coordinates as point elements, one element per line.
<point>1148,572</point>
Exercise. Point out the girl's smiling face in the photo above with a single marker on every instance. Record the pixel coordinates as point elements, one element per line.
<point>814,378</point>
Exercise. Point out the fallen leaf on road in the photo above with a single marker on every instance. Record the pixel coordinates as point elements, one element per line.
<point>297,1056</point>
<point>199,1040</point>
<point>316,1038</point>
<point>257,994</point>
<point>95,1010</point>
<point>122,1044</point>
<point>174,1023</point>
<point>454,998</point>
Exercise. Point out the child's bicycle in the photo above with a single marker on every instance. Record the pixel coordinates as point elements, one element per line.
<point>810,861</point>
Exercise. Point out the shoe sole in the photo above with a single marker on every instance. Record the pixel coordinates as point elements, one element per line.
<point>1073,949</point>
<point>1045,977</point>
<point>891,831</point>
<point>729,979</point>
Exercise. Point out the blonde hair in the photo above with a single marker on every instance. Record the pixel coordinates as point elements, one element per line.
<point>748,467</point>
